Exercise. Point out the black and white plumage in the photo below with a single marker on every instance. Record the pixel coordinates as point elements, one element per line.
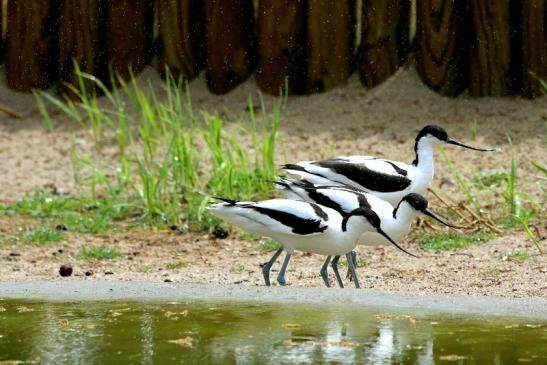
<point>299,225</point>
<point>395,222</point>
<point>389,180</point>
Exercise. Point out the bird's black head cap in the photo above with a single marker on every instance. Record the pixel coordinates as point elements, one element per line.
<point>416,201</point>
<point>434,131</point>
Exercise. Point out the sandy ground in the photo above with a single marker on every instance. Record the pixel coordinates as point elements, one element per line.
<point>347,120</point>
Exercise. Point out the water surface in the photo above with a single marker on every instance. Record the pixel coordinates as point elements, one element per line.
<point>229,333</point>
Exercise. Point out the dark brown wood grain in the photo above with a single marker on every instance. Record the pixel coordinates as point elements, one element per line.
<point>534,47</point>
<point>229,30</point>
<point>2,37</point>
<point>182,37</point>
<point>330,43</point>
<point>80,42</point>
<point>442,57</point>
<point>281,37</point>
<point>30,44</point>
<point>384,39</point>
<point>128,36</point>
<point>491,51</point>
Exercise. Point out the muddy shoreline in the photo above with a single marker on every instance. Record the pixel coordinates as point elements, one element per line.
<point>86,290</point>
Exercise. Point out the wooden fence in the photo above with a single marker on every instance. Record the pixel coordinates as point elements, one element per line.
<point>490,47</point>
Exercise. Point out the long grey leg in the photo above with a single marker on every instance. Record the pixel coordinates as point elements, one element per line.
<point>268,265</point>
<point>281,276</point>
<point>352,270</point>
<point>334,265</point>
<point>354,259</point>
<point>324,272</point>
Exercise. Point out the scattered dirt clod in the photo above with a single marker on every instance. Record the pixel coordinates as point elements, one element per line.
<point>219,232</point>
<point>65,270</point>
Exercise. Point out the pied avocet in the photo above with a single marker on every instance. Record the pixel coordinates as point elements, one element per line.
<point>395,222</point>
<point>301,226</point>
<point>389,180</point>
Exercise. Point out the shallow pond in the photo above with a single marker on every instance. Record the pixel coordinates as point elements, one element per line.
<point>228,333</point>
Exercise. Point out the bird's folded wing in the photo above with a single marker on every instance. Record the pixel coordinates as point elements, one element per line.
<point>373,174</point>
<point>289,217</point>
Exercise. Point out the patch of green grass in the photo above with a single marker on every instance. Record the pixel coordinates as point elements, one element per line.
<point>170,159</point>
<point>90,223</point>
<point>491,272</point>
<point>451,241</point>
<point>360,262</point>
<point>43,205</point>
<point>518,255</point>
<point>238,268</point>
<point>489,179</point>
<point>78,215</point>
<point>540,167</point>
<point>269,245</point>
<point>97,253</point>
<point>144,269</point>
<point>474,128</point>
<point>174,265</point>
<point>43,235</point>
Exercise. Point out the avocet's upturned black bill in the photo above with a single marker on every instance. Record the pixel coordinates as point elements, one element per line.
<point>298,225</point>
<point>389,180</point>
<point>441,135</point>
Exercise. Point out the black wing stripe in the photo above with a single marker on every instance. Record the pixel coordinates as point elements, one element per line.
<point>399,170</point>
<point>298,224</point>
<point>367,178</point>
<point>363,202</point>
<point>324,200</point>
<point>320,212</point>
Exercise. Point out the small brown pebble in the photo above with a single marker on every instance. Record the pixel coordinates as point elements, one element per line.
<point>65,270</point>
<point>88,273</point>
<point>219,232</point>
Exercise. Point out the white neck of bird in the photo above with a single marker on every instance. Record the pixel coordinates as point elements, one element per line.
<point>424,154</point>
<point>356,226</point>
<point>405,214</point>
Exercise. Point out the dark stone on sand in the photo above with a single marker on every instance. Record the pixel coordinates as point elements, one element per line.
<point>219,232</point>
<point>65,270</point>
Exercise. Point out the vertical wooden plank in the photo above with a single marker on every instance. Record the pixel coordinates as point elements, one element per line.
<point>30,44</point>
<point>2,37</point>
<point>534,46</point>
<point>330,43</point>
<point>491,50</point>
<point>441,45</point>
<point>182,37</point>
<point>281,50</point>
<point>128,36</point>
<point>384,39</point>
<point>229,30</point>
<point>80,29</point>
